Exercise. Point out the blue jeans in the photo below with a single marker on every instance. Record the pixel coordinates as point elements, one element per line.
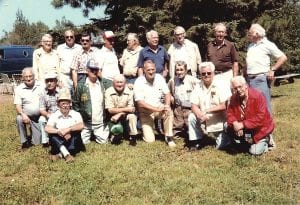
<point>260,83</point>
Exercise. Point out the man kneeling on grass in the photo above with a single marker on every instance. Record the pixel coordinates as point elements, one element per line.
<point>248,118</point>
<point>64,127</point>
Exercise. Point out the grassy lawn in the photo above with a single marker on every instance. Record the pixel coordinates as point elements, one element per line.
<point>154,173</point>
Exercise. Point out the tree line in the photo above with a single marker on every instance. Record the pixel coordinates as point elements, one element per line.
<point>280,18</point>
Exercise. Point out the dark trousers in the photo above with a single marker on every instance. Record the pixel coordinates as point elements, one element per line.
<point>73,145</point>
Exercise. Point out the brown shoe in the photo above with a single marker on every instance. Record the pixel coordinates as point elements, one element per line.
<point>69,158</point>
<point>54,157</point>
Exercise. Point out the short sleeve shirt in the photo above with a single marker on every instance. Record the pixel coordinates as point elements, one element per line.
<point>116,100</point>
<point>152,94</point>
<point>160,57</point>
<point>48,101</point>
<point>209,97</point>
<point>66,55</point>
<point>222,56</point>
<point>259,56</point>
<point>59,121</point>
<point>29,98</point>
<point>129,61</point>
<point>108,62</point>
<point>81,58</point>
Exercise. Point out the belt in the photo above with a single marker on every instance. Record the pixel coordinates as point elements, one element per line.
<point>252,76</point>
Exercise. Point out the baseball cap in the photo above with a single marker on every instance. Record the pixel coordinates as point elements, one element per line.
<point>51,75</point>
<point>108,34</point>
<point>92,64</point>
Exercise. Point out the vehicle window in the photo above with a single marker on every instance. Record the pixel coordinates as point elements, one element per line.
<point>25,53</point>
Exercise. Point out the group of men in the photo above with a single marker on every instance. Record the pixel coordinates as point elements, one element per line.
<point>147,88</point>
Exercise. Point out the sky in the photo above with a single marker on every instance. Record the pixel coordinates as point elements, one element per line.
<point>41,10</point>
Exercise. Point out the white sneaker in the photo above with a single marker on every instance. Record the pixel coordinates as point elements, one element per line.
<point>170,142</point>
<point>271,144</point>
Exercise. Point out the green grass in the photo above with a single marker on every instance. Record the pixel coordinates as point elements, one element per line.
<point>154,173</point>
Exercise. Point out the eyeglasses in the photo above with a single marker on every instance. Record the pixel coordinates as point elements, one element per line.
<point>51,80</point>
<point>179,34</point>
<point>206,73</point>
<point>71,37</point>
<point>85,40</point>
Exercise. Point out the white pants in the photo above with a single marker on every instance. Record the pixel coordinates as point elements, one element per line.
<point>101,133</point>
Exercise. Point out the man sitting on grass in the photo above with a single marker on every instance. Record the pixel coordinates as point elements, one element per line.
<point>64,127</point>
<point>248,118</point>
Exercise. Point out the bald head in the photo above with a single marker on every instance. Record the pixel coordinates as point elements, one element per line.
<point>119,82</point>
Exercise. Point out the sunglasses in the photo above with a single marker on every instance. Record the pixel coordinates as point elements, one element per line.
<point>71,37</point>
<point>85,40</point>
<point>206,73</point>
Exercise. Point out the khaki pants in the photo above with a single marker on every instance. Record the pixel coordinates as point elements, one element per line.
<point>147,120</point>
<point>132,122</point>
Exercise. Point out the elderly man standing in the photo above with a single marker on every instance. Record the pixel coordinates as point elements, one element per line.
<point>45,59</point>
<point>259,70</point>
<point>153,101</point>
<point>64,128</point>
<point>248,118</point>
<point>27,105</point>
<point>208,109</point>
<point>181,89</point>
<point>222,53</point>
<point>66,52</point>
<point>80,59</point>
<point>184,50</point>
<point>108,60</point>
<point>155,53</point>
<point>89,101</point>
<point>120,106</point>
<point>130,57</point>
<point>48,103</point>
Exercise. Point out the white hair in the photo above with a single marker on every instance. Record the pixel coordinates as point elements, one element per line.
<point>258,29</point>
<point>119,77</point>
<point>47,35</point>
<point>207,64</point>
<point>179,28</point>
<point>150,33</point>
<point>216,25</point>
<point>239,79</point>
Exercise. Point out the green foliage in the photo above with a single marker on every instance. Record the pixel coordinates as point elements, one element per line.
<point>153,173</point>
<point>23,32</point>
<point>280,18</point>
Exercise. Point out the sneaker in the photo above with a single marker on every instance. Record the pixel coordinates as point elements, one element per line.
<point>271,143</point>
<point>170,142</point>
<point>69,158</point>
<point>54,157</point>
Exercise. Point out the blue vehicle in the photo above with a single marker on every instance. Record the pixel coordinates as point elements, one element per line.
<point>13,58</point>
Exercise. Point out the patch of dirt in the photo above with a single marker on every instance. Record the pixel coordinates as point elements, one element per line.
<point>5,99</point>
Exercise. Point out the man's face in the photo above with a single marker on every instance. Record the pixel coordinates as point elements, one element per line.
<point>252,36</point>
<point>149,70</point>
<point>130,43</point>
<point>153,40</point>
<point>28,78</point>
<point>92,74</point>
<point>47,44</point>
<point>180,71</point>
<point>70,38</point>
<point>85,42</point>
<point>119,85</point>
<point>109,42</point>
<point>239,88</point>
<point>220,33</point>
<point>179,36</point>
<point>64,106</point>
<point>51,83</point>
<point>207,75</point>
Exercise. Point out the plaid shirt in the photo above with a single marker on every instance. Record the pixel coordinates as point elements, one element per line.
<point>48,101</point>
<point>81,58</point>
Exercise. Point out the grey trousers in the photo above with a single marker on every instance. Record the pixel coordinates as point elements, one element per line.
<point>34,129</point>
